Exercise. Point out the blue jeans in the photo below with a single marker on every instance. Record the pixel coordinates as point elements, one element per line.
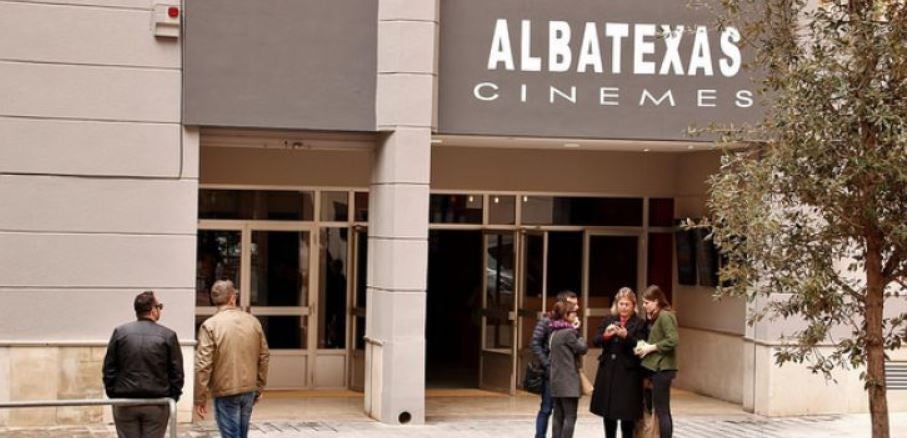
<point>233,413</point>
<point>541,420</point>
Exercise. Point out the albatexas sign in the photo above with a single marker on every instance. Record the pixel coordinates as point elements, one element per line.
<point>645,69</point>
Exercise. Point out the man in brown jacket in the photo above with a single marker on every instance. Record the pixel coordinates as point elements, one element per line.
<point>231,362</point>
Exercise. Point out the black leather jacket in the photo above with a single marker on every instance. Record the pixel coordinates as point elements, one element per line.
<point>143,361</point>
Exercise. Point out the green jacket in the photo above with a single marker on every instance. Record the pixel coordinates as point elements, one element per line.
<point>663,334</point>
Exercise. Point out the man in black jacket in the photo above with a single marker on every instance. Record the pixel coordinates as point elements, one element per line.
<point>143,361</point>
<point>539,346</point>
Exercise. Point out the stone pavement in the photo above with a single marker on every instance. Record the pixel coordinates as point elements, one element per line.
<point>474,413</point>
<point>744,426</point>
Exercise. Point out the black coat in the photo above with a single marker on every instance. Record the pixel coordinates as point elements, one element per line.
<point>618,382</point>
<point>143,360</point>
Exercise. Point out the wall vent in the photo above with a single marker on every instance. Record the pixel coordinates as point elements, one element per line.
<point>896,375</point>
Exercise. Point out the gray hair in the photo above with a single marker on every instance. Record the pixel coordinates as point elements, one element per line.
<point>221,292</point>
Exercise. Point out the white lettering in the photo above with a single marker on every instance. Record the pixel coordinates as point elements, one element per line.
<point>477,91</point>
<point>703,95</point>
<point>701,57</point>
<point>522,92</point>
<point>616,31</point>
<point>527,61</point>
<point>500,47</point>
<point>671,59</point>
<point>571,97</point>
<point>645,93</point>
<point>641,48</point>
<point>559,56</point>
<point>589,53</point>
<point>744,99</point>
<point>605,94</point>
<point>731,65</point>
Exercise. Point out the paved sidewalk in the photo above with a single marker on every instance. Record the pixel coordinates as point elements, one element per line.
<point>479,414</point>
<point>850,426</point>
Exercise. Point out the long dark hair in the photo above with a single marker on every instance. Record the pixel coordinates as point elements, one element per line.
<point>561,309</point>
<point>654,293</point>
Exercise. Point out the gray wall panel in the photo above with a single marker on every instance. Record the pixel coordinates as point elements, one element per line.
<point>294,64</point>
<point>466,43</point>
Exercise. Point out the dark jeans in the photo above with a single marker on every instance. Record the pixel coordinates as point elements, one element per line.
<point>659,397</point>
<point>233,414</point>
<point>148,421</point>
<point>564,416</point>
<point>626,428</point>
<point>541,420</point>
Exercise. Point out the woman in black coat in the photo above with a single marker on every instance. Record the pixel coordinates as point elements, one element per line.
<point>618,382</point>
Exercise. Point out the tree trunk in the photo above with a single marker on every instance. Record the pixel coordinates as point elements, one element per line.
<point>875,348</point>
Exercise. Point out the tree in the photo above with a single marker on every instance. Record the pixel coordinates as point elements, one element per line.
<point>810,204</point>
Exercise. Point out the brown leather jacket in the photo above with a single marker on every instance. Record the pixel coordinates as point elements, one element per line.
<point>232,355</point>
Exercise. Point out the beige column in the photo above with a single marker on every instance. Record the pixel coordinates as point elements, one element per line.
<point>398,219</point>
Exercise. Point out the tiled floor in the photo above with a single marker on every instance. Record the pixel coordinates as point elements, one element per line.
<point>473,413</point>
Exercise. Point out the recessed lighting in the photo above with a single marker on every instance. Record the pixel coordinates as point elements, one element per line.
<point>571,145</point>
<point>691,147</point>
<point>646,150</point>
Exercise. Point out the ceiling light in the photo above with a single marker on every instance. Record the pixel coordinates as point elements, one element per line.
<point>691,147</point>
<point>437,141</point>
<point>497,200</point>
<point>646,150</point>
<point>571,145</point>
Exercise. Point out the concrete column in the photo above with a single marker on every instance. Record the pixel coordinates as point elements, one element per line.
<point>398,219</point>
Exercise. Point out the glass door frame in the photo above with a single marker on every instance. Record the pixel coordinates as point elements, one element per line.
<point>523,315</point>
<point>246,228</point>
<point>590,312</point>
<point>356,309</point>
<point>490,354</point>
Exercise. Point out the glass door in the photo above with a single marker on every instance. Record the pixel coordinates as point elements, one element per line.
<point>499,312</point>
<point>280,261</point>
<point>532,285</point>
<point>612,261</point>
<point>357,312</point>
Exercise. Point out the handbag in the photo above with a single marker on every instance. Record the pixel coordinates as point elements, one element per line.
<point>647,426</point>
<point>585,385</point>
<point>534,378</point>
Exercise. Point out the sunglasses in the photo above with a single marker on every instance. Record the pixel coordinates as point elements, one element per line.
<point>159,306</point>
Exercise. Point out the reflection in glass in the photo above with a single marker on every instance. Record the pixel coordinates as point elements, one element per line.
<point>280,268</point>
<point>360,200</point>
<point>565,263</point>
<point>587,211</point>
<point>502,209</point>
<point>284,332</point>
<point>499,269</point>
<point>455,209</point>
<point>661,212</point>
<point>334,206</point>
<point>255,204</point>
<point>217,258</point>
<point>361,267</point>
<point>332,288</point>
<point>612,265</point>
<point>533,275</point>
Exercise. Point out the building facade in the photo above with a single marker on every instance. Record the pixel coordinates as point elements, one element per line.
<point>397,187</point>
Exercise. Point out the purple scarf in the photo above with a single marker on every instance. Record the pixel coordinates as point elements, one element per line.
<point>559,325</point>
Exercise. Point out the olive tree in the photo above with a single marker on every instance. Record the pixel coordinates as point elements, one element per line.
<point>810,204</point>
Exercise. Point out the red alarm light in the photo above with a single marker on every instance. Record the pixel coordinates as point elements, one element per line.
<point>173,12</point>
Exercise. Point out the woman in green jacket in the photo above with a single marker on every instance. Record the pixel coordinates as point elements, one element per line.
<point>659,356</point>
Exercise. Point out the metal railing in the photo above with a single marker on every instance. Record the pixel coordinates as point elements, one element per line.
<point>95,402</point>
